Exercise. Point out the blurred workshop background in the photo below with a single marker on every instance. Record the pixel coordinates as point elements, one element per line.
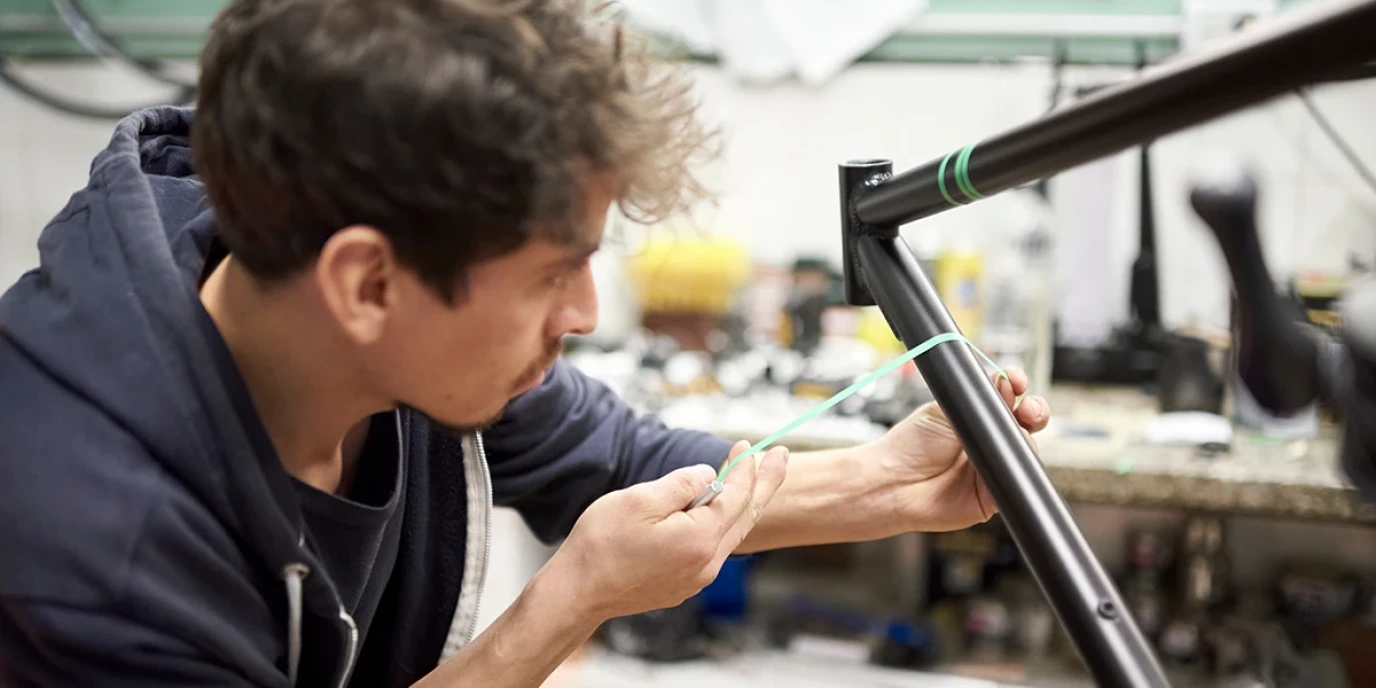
<point>1242,549</point>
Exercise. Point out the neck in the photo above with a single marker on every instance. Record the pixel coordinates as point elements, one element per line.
<point>307,395</point>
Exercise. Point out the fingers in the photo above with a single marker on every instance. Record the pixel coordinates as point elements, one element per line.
<point>1032,441</point>
<point>1007,391</point>
<point>739,489</point>
<point>721,512</point>
<point>1014,376</point>
<point>675,491</point>
<point>984,498</point>
<point>769,476</point>
<point>747,489</point>
<point>736,450</point>
<point>1033,413</point>
<point>742,475</point>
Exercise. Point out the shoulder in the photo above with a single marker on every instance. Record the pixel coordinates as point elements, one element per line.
<point>75,488</point>
<point>99,538</point>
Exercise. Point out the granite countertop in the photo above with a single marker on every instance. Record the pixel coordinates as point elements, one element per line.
<point>1257,475</point>
<point>1095,452</point>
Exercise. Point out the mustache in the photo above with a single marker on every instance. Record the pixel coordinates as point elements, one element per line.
<point>552,353</point>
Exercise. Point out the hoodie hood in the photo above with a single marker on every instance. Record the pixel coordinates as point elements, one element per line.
<point>112,311</point>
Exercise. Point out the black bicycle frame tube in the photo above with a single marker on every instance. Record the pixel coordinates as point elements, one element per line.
<point>1316,42</point>
<point>881,269</point>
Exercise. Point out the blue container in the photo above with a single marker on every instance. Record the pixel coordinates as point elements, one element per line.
<point>726,598</point>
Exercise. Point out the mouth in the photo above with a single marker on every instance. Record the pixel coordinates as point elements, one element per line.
<point>534,378</point>
<point>538,376</point>
<point>529,383</point>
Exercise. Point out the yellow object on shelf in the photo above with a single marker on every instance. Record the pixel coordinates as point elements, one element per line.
<point>674,274</point>
<point>874,330</point>
<point>960,281</point>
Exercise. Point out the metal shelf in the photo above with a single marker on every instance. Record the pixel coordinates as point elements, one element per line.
<point>965,31</point>
<point>949,31</point>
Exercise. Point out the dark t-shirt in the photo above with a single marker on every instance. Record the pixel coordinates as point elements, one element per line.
<point>356,535</point>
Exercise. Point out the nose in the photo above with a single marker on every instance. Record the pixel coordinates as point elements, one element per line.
<point>578,314</point>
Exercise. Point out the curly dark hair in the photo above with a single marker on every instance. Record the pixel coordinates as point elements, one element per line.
<point>457,128</point>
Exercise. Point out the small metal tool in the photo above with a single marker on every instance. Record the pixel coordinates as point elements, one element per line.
<point>709,493</point>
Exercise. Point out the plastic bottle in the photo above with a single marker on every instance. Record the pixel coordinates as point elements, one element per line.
<point>1018,291</point>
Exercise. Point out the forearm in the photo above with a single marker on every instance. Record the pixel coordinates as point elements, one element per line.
<point>828,496</point>
<point>524,645</point>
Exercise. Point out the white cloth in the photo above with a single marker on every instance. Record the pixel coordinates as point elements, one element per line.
<point>766,41</point>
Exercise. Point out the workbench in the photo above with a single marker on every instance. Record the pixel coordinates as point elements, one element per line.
<point>1095,452</point>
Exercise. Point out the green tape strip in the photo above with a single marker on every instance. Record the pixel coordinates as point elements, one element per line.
<point>963,174</point>
<point>1124,465</point>
<point>860,384</point>
<point>941,179</point>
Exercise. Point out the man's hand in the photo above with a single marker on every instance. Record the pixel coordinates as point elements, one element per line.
<point>936,486</point>
<point>637,549</point>
<point>632,551</point>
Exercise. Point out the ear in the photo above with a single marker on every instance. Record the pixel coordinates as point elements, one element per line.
<point>356,273</point>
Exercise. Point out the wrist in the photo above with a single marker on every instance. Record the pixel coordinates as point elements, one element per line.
<point>523,646</point>
<point>561,594</point>
<point>829,496</point>
<point>889,493</point>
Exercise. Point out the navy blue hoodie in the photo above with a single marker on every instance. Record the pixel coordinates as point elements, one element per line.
<point>148,533</point>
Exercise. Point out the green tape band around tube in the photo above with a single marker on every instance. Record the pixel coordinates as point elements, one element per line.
<point>860,384</point>
<point>963,174</point>
<point>941,179</point>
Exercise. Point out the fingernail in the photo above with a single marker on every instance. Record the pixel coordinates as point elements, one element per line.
<point>1033,406</point>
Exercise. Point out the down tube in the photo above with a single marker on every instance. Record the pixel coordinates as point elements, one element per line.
<point>1083,596</point>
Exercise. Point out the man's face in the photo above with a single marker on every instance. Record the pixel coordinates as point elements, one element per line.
<point>461,364</point>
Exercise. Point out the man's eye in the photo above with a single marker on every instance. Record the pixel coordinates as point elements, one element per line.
<point>561,278</point>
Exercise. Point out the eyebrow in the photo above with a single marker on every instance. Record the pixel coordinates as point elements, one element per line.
<point>575,255</point>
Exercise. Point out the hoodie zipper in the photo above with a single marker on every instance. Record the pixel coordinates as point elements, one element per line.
<point>487,533</point>
<point>478,494</point>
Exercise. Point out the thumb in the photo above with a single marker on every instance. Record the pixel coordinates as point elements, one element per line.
<point>675,491</point>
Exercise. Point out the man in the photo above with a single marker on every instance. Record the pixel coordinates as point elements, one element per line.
<point>240,421</point>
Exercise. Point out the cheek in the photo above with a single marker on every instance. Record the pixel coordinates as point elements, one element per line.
<point>482,345</point>
<point>435,347</point>
<point>506,337</point>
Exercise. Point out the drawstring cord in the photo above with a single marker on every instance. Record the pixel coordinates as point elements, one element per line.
<point>292,575</point>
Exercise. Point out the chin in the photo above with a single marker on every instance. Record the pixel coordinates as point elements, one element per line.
<point>468,419</point>
<point>468,426</point>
